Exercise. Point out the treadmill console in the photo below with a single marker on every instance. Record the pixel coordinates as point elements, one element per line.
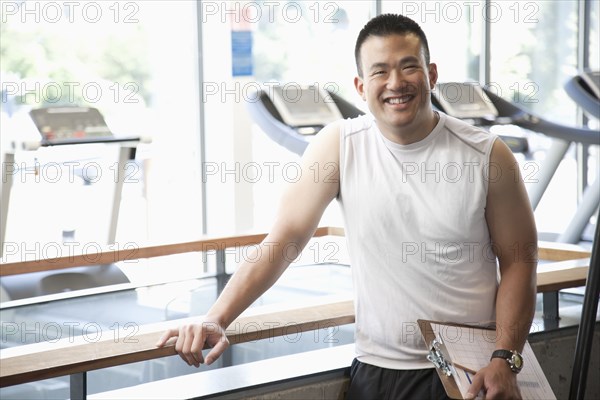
<point>305,108</point>
<point>469,102</point>
<point>67,125</point>
<point>465,100</point>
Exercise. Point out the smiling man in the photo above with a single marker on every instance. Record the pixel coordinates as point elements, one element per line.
<point>434,211</point>
<point>396,81</point>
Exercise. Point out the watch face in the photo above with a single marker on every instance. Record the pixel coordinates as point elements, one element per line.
<point>513,358</point>
<point>517,362</point>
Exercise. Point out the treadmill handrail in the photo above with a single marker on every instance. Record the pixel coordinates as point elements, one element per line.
<point>525,119</point>
<point>576,89</point>
<point>273,125</point>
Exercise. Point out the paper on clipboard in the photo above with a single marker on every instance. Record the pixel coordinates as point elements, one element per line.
<point>466,349</point>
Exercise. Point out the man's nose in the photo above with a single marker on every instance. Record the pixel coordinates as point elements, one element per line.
<point>396,80</point>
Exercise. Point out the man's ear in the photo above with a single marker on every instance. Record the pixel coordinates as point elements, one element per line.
<point>358,84</point>
<point>433,75</point>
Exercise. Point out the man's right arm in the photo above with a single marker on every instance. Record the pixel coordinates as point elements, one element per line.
<point>299,213</point>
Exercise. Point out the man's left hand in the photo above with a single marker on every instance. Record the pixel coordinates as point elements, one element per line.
<point>496,380</point>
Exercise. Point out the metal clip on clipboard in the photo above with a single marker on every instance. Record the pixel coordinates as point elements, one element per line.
<point>437,357</point>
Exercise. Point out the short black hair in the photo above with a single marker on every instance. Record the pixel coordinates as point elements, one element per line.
<point>385,25</point>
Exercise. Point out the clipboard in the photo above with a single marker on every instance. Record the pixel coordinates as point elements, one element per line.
<point>458,351</point>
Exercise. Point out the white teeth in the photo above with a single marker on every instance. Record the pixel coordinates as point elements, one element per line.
<point>399,100</point>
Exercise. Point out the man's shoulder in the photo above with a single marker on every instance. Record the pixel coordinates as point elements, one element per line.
<point>352,126</point>
<point>470,135</point>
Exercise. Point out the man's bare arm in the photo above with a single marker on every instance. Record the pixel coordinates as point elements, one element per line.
<point>299,213</point>
<point>514,238</point>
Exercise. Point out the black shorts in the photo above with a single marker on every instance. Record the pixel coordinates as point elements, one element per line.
<point>368,382</point>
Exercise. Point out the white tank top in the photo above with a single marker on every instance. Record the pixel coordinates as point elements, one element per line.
<point>417,236</point>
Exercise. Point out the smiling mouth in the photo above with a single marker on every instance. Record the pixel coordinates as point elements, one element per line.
<point>399,99</point>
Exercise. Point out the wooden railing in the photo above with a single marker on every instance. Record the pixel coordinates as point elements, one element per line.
<point>66,357</point>
<point>39,361</point>
<point>110,255</point>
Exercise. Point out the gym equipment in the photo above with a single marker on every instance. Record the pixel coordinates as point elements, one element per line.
<point>59,126</point>
<point>584,89</point>
<point>73,125</point>
<point>494,110</point>
<point>469,102</point>
<point>292,118</point>
<point>67,126</point>
<point>291,114</point>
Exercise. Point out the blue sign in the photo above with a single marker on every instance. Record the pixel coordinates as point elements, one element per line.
<point>241,53</point>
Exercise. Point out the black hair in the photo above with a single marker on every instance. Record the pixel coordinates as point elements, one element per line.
<point>389,24</point>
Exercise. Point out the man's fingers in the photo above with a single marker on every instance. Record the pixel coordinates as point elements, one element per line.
<point>217,350</point>
<point>179,346</point>
<point>191,335</point>
<point>166,336</point>
<point>475,387</point>
<point>191,340</point>
<point>196,347</point>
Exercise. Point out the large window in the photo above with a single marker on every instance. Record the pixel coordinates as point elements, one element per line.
<point>594,47</point>
<point>134,61</point>
<point>295,42</point>
<point>317,46</point>
<point>533,53</point>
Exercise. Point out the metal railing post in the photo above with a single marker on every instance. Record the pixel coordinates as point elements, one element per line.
<point>78,387</point>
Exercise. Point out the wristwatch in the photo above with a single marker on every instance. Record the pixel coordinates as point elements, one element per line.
<point>512,357</point>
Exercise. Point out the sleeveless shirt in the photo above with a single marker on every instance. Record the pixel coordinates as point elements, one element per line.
<point>417,235</point>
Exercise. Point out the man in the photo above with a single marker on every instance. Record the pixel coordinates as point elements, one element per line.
<point>429,204</point>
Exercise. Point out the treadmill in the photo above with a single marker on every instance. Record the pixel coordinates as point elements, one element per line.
<point>74,125</point>
<point>484,108</point>
<point>292,115</point>
<point>62,126</point>
<point>469,102</point>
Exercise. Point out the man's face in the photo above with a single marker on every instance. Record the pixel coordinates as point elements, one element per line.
<point>396,85</point>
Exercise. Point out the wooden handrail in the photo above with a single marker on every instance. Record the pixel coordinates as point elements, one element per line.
<point>554,251</point>
<point>562,275</point>
<point>34,362</point>
<point>39,361</point>
<point>547,251</point>
<point>110,255</point>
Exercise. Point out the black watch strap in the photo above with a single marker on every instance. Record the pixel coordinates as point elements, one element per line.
<point>506,354</point>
